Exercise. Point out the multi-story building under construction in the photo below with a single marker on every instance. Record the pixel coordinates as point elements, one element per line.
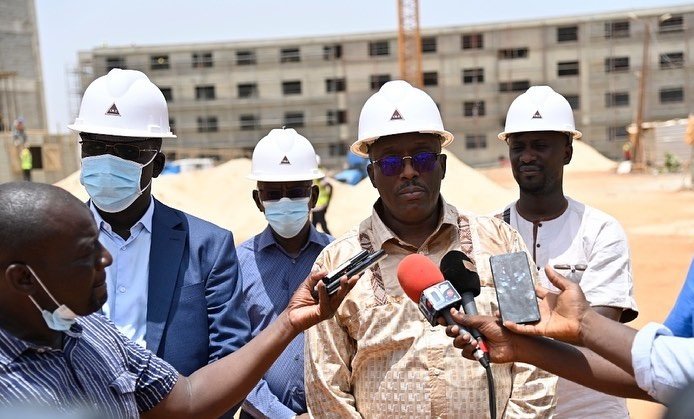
<point>223,97</point>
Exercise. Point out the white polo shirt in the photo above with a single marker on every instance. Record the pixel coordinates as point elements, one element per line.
<point>590,248</point>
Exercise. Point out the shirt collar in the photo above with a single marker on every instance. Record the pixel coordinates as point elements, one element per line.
<point>382,233</point>
<point>146,219</point>
<point>266,238</point>
<point>11,347</point>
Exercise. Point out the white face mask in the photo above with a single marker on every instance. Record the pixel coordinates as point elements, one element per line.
<point>287,216</point>
<point>62,318</point>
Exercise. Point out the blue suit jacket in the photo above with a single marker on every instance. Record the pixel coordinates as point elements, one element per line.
<point>195,310</point>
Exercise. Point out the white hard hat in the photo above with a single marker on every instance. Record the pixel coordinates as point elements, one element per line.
<point>398,108</point>
<point>284,156</point>
<point>123,103</point>
<point>540,108</point>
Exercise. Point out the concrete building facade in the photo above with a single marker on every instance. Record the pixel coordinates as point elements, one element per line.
<point>22,95</point>
<point>21,80</point>
<point>223,97</point>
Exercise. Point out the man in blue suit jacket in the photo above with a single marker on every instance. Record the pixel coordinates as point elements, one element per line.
<point>174,284</point>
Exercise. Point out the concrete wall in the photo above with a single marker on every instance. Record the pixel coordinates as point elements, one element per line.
<point>59,155</point>
<point>21,81</point>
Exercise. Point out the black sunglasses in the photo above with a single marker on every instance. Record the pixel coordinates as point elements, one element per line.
<point>124,151</point>
<point>422,162</point>
<point>291,193</point>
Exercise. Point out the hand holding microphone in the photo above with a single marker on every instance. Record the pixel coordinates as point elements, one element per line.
<point>454,267</point>
<point>425,285</point>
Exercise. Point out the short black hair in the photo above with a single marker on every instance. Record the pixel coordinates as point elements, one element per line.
<point>24,215</point>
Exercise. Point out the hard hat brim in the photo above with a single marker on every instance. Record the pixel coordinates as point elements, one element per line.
<point>119,132</point>
<point>279,178</point>
<point>360,147</point>
<point>575,134</point>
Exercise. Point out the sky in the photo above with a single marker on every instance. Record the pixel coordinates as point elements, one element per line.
<point>68,26</point>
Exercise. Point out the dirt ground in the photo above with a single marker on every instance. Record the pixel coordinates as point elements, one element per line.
<point>658,216</point>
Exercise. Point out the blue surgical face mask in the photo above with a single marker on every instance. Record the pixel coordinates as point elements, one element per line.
<point>112,183</point>
<point>287,216</point>
<point>62,318</point>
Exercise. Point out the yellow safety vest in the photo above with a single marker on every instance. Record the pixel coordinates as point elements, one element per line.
<point>323,194</point>
<point>25,157</point>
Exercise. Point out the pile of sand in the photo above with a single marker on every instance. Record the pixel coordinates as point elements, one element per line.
<point>470,190</point>
<point>588,159</point>
<point>223,195</point>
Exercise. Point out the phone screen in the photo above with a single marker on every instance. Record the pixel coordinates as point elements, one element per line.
<point>515,290</point>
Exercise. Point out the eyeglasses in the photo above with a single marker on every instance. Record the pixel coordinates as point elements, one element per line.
<point>124,151</point>
<point>393,165</point>
<point>291,193</point>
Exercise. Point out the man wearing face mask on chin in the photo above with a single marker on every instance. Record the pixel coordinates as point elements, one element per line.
<point>173,286</point>
<point>274,262</point>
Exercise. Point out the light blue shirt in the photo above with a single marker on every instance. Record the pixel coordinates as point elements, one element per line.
<point>663,364</point>
<point>128,276</point>
<point>681,318</point>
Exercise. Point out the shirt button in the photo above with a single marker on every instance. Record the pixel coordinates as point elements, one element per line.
<point>437,372</point>
<point>40,350</point>
<point>121,289</point>
<point>122,248</point>
<point>294,261</point>
<point>539,224</point>
<point>538,245</point>
<point>538,268</point>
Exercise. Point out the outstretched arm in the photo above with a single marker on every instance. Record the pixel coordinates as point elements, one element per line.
<point>567,316</point>
<point>576,364</point>
<point>215,388</point>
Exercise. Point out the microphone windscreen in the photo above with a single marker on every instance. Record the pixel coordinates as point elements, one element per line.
<point>417,273</point>
<point>458,274</point>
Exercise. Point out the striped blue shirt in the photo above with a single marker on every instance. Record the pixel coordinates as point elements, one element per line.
<point>270,277</point>
<point>98,370</point>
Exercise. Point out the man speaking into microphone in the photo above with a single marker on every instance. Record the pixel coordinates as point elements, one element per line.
<point>379,357</point>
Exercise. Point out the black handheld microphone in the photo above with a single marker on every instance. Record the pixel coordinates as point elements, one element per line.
<point>467,283</point>
<point>423,282</point>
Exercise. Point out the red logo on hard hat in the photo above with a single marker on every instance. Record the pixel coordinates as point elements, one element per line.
<point>285,160</point>
<point>113,110</point>
<point>537,115</point>
<point>396,115</point>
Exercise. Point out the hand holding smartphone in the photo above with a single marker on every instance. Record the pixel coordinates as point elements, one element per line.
<point>354,266</point>
<point>515,291</point>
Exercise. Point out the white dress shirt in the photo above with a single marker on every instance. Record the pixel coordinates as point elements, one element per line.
<point>128,276</point>
<point>663,364</point>
<point>590,248</point>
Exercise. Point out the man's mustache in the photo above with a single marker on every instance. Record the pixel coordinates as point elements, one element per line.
<point>412,184</point>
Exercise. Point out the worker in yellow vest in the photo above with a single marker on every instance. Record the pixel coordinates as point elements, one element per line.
<point>325,191</point>
<point>26,163</point>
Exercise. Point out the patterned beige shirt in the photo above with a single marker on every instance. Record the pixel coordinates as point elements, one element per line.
<point>379,358</point>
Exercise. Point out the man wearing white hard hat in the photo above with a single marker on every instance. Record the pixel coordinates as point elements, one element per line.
<point>582,243</point>
<point>174,285</point>
<point>379,357</point>
<point>275,262</point>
